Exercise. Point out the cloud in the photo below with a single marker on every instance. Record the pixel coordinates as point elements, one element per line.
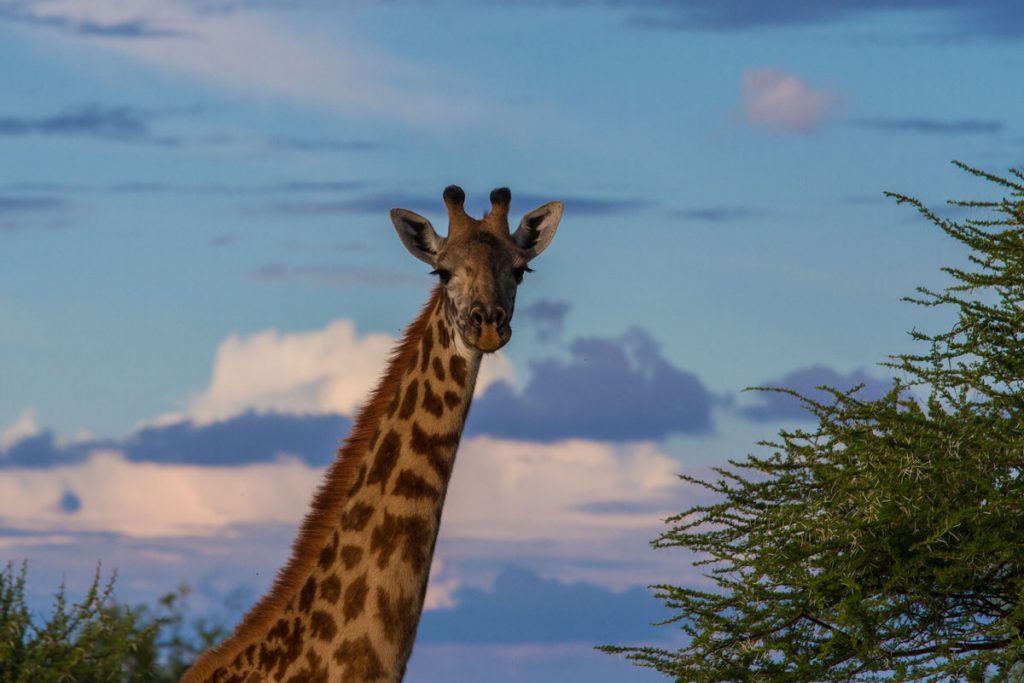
<point>374,204</point>
<point>1001,18</point>
<point>523,607</point>
<point>322,144</point>
<point>252,52</point>
<point>718,214</point>
<point>30,210</point>
<point>590,206</point>
<point>285,187</point>
<point>614,389</point>
<point>546,317</point>
<point>509,491</point>
<point>152,500</point>
<point>783,102</point>
<point>70,503</point>
<point>320,371</point>
<point>337,275</point>
<point>24,12</point>
<point>982,18</point>
<point>21,205</point>
<point>382,202</point>
<point>185,480</point>
<point>772,405</point>
<point>39,450</point>
<point>123,124</point>
<point>244,439</point>
<point>25,427</point>
<point>933,126</point>
<point>316,372</point>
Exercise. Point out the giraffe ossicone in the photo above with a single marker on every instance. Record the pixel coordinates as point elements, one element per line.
<point>347,604</point>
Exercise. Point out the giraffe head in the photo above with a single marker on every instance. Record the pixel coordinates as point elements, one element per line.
<point>480,263</point>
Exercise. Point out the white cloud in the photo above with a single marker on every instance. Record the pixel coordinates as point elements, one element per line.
<point>330,370</point>
<point>24,427</point>
<point>22,542</point>
<point>784,102</point>
<point>442,585</point>
<point>150,500</point>
<point>587,508</point>
<point>258,53</point>
<point>501,490</point>
<point>518,490</point>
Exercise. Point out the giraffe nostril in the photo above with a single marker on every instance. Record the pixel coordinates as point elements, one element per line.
<point>477,315</point>
<point>500,315</point>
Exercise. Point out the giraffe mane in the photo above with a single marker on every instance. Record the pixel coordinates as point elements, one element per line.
<point>332,493</point>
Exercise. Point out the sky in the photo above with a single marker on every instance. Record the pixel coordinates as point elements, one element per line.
<point>199,282</point>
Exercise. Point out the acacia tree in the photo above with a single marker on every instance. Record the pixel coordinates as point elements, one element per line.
<point>886,543</point>
<point>97,639</point>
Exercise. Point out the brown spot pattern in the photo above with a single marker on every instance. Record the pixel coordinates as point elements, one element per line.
<point>438,367</point>
<point>437,448</point>
<point>431,401</point>
<point>330,588</point>
<point>394,616</point>
<point>351,555</point>
<point>322,626</point>
<point>313,672</point>
<point>411,485</point>
<point>355,598</point>
<point>282,647</point>
<point>443,337</point>
<point>409,402</point>
<point>307,594</point>
<point>360,476</point>
<point>414,360</point>
<point>452,399</point>
<point>457,368</point>
<point>363,662</point>
<point>357,518</point>
<point>329,552</point>
<point>428,346</point>
<point>385,459</point>
<point>413,533</point>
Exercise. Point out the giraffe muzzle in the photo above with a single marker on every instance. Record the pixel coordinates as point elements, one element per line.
<point>491,326</point>
<point>490,338</point>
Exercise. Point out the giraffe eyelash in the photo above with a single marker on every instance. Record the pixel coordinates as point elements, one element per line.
<point>443,275</point>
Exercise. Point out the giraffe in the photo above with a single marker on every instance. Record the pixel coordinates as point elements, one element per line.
<point>347,604</point>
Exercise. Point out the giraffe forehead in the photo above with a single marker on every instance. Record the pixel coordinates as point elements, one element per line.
<point>481,250</point>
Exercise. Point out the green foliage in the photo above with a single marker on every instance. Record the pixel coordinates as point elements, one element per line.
<point>887,543</point>
<point>95,640</point>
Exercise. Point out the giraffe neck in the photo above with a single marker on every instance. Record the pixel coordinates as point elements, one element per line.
<point>348,604</point>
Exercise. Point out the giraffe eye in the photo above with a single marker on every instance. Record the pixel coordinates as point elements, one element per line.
<point>443,275</point>
<point>519,272</point>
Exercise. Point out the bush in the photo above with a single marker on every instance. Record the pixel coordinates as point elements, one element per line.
<point>96,640</point>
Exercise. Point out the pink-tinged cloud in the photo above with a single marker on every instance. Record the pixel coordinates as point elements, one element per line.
<point>785,103</point>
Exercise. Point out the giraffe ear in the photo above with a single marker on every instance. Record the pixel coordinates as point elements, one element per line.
<point>417,234</point>
<point>537,228</point>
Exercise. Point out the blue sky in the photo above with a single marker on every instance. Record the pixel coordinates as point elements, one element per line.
<point>199,281</point>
